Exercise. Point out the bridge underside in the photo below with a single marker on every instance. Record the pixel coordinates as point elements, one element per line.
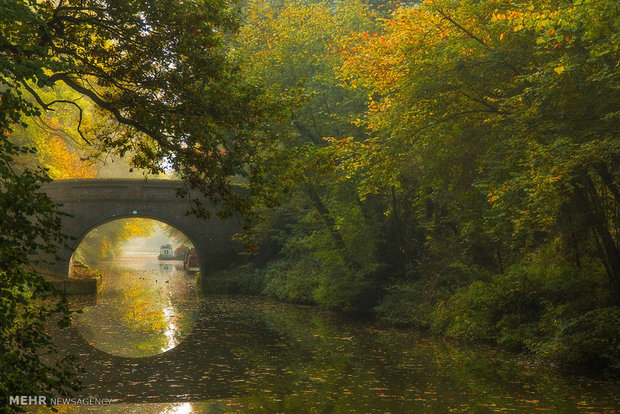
<point>90,203</point>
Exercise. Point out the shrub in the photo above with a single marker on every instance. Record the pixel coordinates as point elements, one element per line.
<point>512,309</point>
<point>411,302</point>
<point>408,303</point>
<point>292,279</point>
<point>587,342</point>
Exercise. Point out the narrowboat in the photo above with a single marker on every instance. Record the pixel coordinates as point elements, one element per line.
<point>192,262</point>
<point>165,252</point>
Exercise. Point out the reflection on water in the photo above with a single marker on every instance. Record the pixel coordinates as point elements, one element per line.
<point>166,267</point>
<point>253,355</point>
<point>145,307</point>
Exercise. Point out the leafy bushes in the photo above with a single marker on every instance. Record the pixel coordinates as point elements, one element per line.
<point>292,280</point>
<point>502,310</point>
<point>319,280</point>
<point>548,310</point>
<point>304,279</point>
<point>412,302</point>
<point>408,303</point>
<point>551,310</point>
<point>462,198</point>
<point>542,305</point>
<point>587,342</point>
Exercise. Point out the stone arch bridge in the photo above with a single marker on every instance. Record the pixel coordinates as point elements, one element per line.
<point>90,203</point>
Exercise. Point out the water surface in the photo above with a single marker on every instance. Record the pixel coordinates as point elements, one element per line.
<point>144,307</point>
<point>243,354</point>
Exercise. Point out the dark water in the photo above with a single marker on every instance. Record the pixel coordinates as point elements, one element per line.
<point>240,354</point>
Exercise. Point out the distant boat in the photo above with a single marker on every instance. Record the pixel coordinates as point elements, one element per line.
<point>165,252</point>
<point>191,263</point>
<point>180,253</point>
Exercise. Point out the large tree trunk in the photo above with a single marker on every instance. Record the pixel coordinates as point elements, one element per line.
<point>325,215</point>
<point>399,228</point>
<point>597,219</point>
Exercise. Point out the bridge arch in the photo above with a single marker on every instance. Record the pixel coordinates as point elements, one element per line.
<point>152,214</point>
<point>91,203</point>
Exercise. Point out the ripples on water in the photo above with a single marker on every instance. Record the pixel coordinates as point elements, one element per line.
<point>253,355</point>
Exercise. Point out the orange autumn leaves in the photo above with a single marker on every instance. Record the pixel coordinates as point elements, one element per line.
<point>62,163</point>
<point>60,148</point>
<point>415,68</point>
<point>474,89</point>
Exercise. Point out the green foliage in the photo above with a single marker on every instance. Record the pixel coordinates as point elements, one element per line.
<point>29,227</point>
<point>158,70</point>
<point>459,160</point>
<point>407,304</point>
<point>293,280</point>
<point>453,166</point>
<point>588,342</point>
<point>507,115</point>
<point>549,309</point>
<point>494,311</point>
<point>160,74</point>
<point>412,302</point>
<point>491,142</point>
<point>289,47</point>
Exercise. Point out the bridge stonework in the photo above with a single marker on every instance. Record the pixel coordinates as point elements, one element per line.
<point>90,203</point>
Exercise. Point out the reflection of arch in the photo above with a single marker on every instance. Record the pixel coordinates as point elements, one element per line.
<point>195,362</point>
<point>91,203</point>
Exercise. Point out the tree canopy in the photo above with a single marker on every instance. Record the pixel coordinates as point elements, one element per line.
<point>159,70</point>
<point>448,164</point>
<point>159,73</point>
<point>453,165</point>
<point>511,108</point>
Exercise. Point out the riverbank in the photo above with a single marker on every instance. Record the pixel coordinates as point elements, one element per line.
<point>545,318</point>
<point>83,280</point>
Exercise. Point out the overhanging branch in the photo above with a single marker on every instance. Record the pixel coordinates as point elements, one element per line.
<point>47,107</point>
<point>64,77</point>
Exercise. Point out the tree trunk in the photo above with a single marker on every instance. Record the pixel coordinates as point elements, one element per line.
<point>398,226</point>
<point>598,221</point>
<point>609,181</point>
<point>330,223</point>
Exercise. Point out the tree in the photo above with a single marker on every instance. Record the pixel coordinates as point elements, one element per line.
<point>290,49</point>
<point>176,235</point>
<point>105,241</point>
<point>508,114</point>
<point>56,136</point>
<point>159,71</point>
<point>30,224</point>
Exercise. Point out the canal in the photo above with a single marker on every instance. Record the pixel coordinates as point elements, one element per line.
<point>151,344</point>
